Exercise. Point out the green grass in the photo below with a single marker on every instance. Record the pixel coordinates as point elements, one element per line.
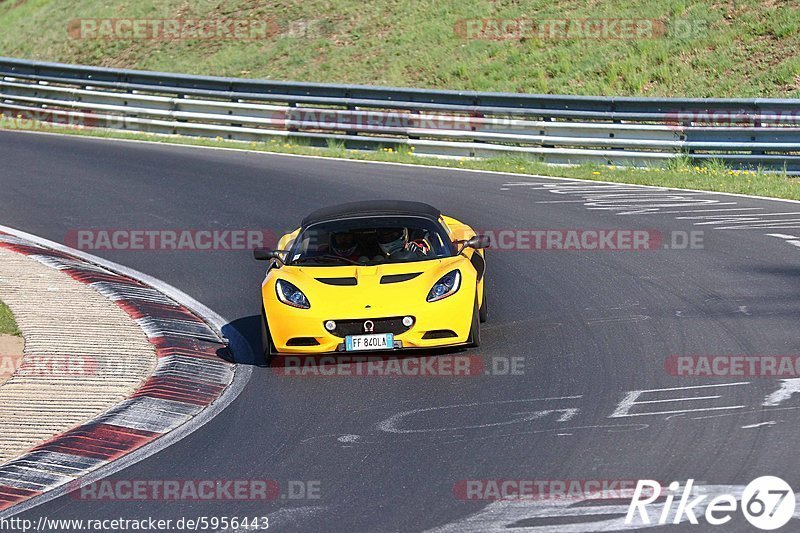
<point>7,324</point>
<point>680,173</point>
<point>743,48</point>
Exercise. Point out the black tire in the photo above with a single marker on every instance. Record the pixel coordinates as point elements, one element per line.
<point>474,339</point>
<point>484,310</point>
<point>267,347</point>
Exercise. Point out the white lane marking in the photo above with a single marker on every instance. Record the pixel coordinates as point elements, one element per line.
<point>391,424</point>
<point>786,224</point>
<point>568,184</point>
<point>752,223</point>
<point>633,200</point>
<point>566,414</point>
<point>631,208</point>
<point>689,387</point>
<point>631,400</point>
<point>610,320</point>
<point>510,515</point>
<point>713,416</point>
<point>770,423</point>
<point>605,309</point>
<point>722,408</point>
<point>610,428</point>
<point>781,236</point>
<point>725,210</point>
<point>787,389</point>
<point>609,204</point>
<point>747,221</point>
<point>241,376</point>
<point>580,187</point>
<point>560,201</point>
<point>758,411</point>
<point>592,184</point>
<point>735,217</point>
<point>630,200</point>
<point>642,402</point>
<point>503,516</point>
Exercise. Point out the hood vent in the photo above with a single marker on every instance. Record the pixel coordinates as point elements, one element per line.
<point>397,278</point>
<point>338,281</point>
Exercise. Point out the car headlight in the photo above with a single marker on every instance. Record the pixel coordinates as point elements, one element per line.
<point>447,285</point>
<point>291,295</point>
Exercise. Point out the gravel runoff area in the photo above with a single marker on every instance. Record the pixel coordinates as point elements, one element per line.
<point>11,350</point>
<point>82,354</point>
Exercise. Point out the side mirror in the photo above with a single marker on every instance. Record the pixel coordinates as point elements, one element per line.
<point>479,241</point>
<point>265,254</point>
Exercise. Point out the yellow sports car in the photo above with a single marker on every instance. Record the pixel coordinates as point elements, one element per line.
<point>373,276</point>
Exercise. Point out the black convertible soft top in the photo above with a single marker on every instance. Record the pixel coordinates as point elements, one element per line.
<point>371,208</point>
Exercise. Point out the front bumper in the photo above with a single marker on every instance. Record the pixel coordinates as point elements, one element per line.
<point>436,324</point>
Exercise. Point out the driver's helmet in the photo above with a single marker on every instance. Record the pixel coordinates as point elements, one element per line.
<point>392,240</point>
<point>343,243</point>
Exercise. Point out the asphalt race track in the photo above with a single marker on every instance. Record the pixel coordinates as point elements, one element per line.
<point>387,452</point>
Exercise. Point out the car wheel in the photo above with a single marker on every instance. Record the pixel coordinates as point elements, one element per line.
<point>267,347</point>
<point>474,339</point>
<point>484,310</point>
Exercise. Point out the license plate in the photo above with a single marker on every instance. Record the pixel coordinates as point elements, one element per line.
<point>377,341</point>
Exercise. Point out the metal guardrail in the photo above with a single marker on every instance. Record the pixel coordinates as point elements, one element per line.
<point>743,133</point>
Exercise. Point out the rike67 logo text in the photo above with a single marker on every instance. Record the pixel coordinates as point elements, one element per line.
<point>767,503</point>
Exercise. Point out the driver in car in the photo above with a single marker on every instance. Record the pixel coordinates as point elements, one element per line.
<point>396,246</point>
<point>344,244</point>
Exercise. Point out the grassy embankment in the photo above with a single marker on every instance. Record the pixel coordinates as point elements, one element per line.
<point>7,324</point>
<point>744,48</point>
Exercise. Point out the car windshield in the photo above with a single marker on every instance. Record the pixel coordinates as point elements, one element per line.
<point>370,241</point>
